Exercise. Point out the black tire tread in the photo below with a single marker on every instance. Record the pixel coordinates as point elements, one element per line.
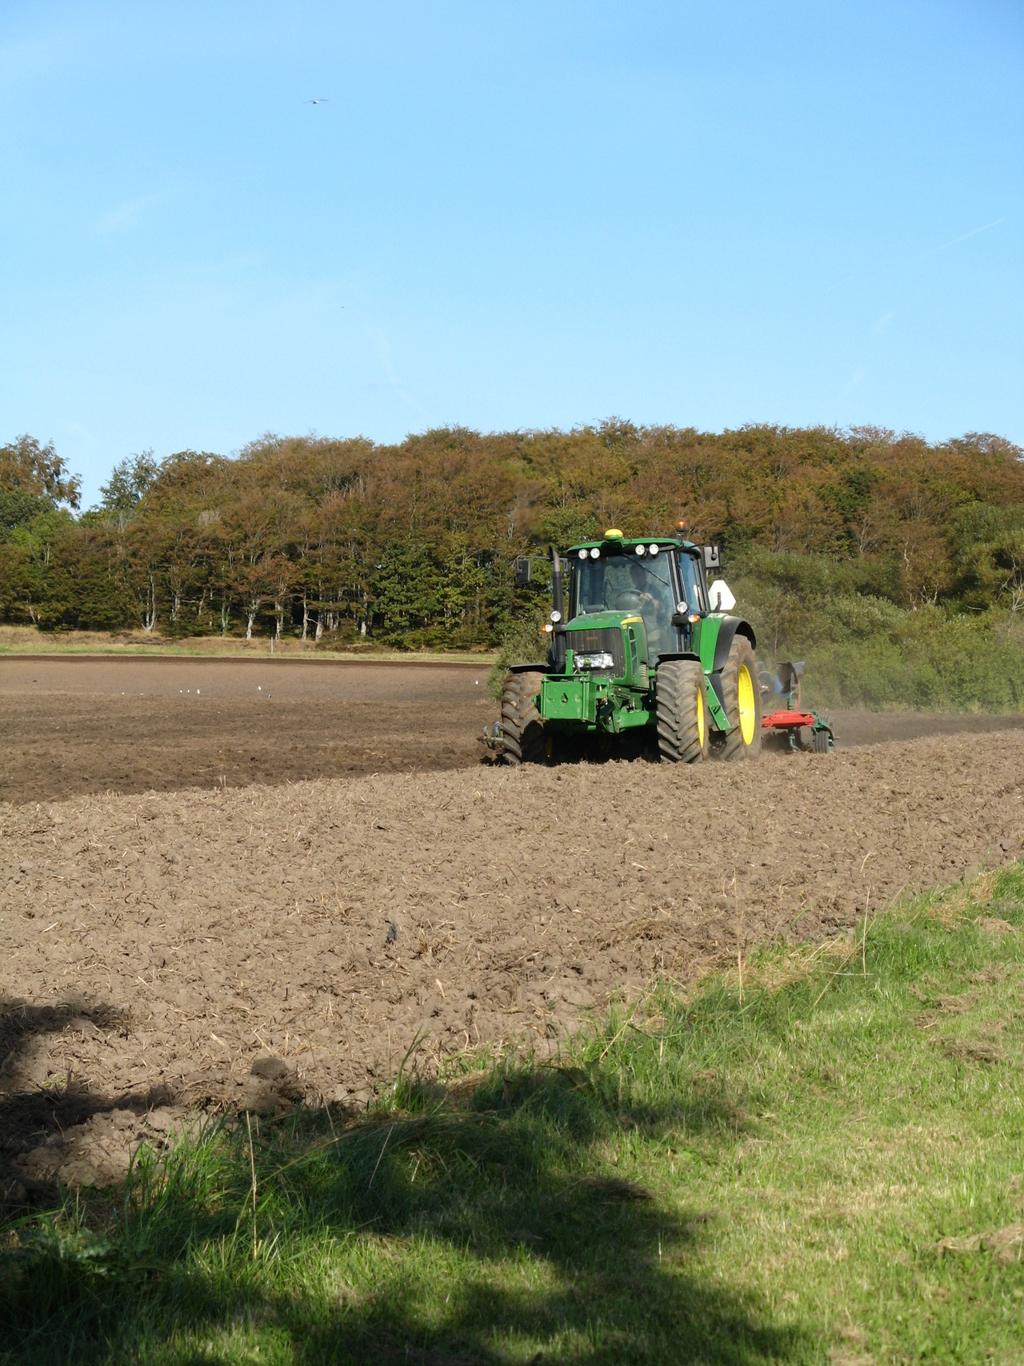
<point>732,747</point>
<point>522,726</point>
<point>679,681</point>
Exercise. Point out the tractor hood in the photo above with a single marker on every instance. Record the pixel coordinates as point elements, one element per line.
<point>612,644</point>
<point>601,621</point>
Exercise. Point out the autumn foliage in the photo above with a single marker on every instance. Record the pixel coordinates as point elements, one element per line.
<point>413,544</point>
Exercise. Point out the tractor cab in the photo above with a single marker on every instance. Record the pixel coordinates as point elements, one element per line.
<point>660,580</point>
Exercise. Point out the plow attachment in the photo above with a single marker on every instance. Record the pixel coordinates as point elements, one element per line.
<point>783,720</point>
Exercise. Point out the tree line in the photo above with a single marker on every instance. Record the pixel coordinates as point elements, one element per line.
<point>413,544</point>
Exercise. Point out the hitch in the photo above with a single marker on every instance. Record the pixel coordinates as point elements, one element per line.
<point>493,741</point>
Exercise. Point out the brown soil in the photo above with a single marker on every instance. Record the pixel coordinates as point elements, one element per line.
<point>243,946</point>
<point>76,725</point>
<point>70,726</point>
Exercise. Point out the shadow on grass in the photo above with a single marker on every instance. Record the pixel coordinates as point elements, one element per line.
<point>460,1224</point>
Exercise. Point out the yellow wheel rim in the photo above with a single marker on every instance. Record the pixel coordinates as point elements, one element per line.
<point>745,702</point>
<point>702,725</point>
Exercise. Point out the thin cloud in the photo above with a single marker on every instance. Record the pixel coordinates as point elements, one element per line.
<point>966,236</point>
<point>130,214</point>
<point>382,346</point>
<point>381,343</point>
<point>866,274</point>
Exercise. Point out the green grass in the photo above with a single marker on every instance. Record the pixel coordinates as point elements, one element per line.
<point>763,1171</point>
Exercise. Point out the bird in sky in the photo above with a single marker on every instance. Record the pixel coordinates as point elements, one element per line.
<point>321,99</point>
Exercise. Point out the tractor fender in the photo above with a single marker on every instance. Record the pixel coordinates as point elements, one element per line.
<point>685,654</point>
<point>529,668</point>
<point>730,628</point>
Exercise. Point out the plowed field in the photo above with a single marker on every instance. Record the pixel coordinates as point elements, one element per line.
<point>157,941</point>
<point>79,725</point>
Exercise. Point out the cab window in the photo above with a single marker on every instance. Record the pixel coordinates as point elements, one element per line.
<point>692,582</point>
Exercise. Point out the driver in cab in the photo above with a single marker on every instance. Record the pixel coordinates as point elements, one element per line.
<point>644,592</point>
<point>634,592</point>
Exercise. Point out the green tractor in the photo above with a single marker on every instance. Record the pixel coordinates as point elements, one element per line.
<point>644,655</point>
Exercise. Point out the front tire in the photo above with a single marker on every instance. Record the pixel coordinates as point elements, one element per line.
<point>681,712</point>
<point>742,698</point>
<point>522,726</point>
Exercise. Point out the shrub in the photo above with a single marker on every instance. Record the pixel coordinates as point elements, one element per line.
<point>521,645</point>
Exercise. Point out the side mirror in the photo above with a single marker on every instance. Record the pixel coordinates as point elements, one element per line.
<point>522,571</point>
<point>712,557</point>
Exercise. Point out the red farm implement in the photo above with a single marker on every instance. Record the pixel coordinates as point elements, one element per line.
<point>784,721</point>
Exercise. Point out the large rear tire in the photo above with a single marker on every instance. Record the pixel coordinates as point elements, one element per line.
<point>681,712</point>
<point>521,723</point>
<point>742,698</point>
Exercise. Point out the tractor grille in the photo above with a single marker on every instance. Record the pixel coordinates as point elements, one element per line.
<point>590,641</point>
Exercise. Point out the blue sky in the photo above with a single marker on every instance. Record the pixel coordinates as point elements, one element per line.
<point>508,214</point>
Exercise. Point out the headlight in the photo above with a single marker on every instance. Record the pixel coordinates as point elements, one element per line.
<point>598,659</point>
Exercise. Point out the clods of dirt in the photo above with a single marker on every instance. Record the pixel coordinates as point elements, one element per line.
<point>230,948</point>
<point>71,725</point>
<point>1005,1244</point>
<point>99,1151</point>
<point>973,1050</point>
<point>271,1088</point>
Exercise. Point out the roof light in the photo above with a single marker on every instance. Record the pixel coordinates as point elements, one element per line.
<point>582,554</point>
<point>654,549</point>
<point>640,549</point>
<point>613,534</point>
<point>594,552</point>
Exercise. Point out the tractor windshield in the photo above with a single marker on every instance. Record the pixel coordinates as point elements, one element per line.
<point>628,583</point>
